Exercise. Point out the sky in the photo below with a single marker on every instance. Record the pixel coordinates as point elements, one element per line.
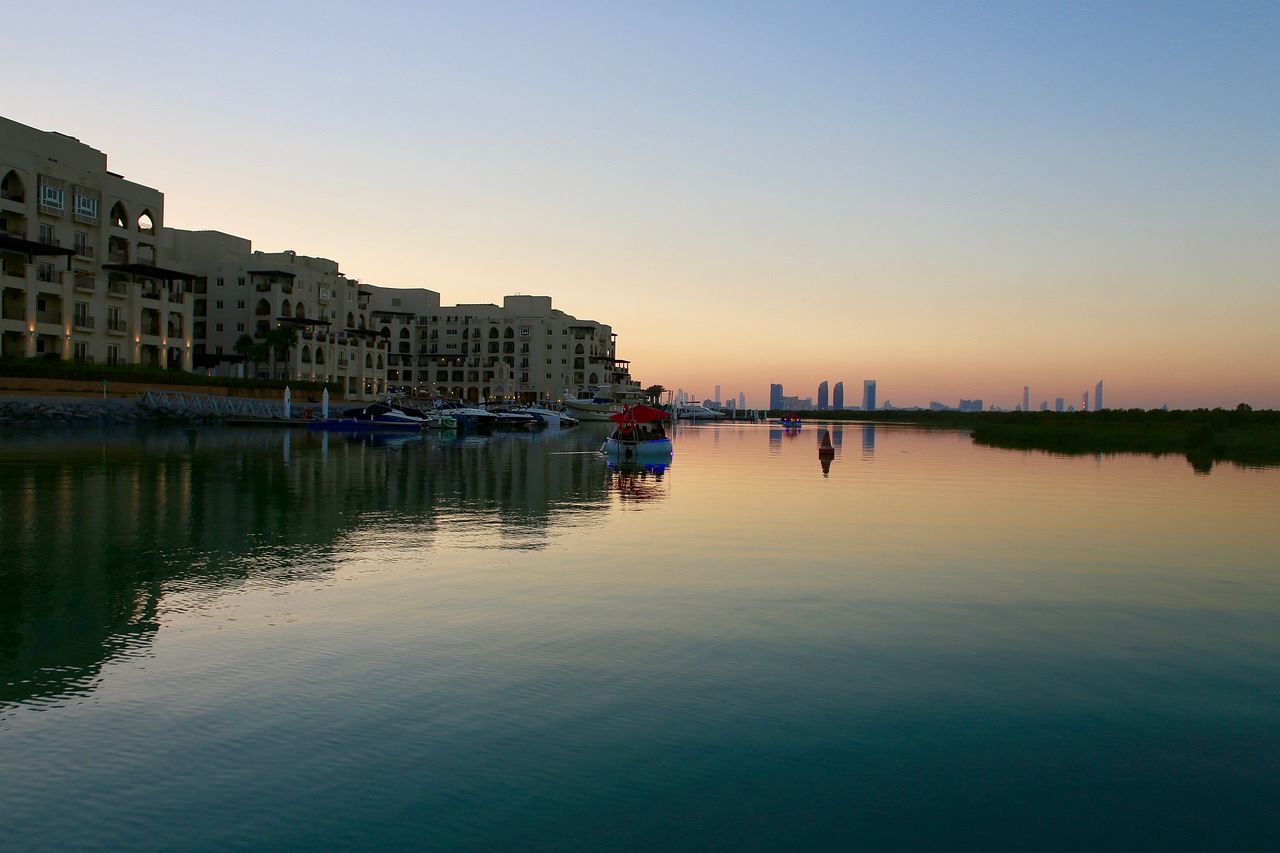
<point>956,199</point>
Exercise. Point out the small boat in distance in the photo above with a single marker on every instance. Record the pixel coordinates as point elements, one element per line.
<point>639,435</point>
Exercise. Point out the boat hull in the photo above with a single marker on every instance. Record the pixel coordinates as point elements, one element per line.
<point>624,449</point>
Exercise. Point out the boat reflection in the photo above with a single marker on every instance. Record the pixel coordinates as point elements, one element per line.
<point>635,482</point>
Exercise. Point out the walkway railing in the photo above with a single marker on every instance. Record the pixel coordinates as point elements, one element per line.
<point>211,405</point>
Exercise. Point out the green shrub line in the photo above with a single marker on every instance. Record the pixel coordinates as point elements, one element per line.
<point>36,368</point>
<point>1205,436</point>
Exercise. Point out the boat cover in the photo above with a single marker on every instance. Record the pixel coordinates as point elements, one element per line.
<point>639,415</point>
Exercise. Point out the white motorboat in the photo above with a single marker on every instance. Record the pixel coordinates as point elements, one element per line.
<point>602,402</point>
<point>698,412</point>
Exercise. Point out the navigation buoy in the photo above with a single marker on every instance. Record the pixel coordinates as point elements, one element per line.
<point>825,447</point>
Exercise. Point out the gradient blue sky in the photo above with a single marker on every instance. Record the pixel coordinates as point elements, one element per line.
<point>955,199</point>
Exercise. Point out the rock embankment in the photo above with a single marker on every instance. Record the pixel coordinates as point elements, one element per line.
<point>47,412</point>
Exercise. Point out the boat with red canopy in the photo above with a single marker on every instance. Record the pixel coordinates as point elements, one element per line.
<point>639,434</point>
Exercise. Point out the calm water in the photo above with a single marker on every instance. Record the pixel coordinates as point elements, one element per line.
<point>253,639</point>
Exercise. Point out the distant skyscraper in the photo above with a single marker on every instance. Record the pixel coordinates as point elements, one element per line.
<point>1097,397</point>
<point>837,396</point>
<point>1058,404</point>
<point>1026,398</point>
<point>869,395</point>
<point>1084,402</point>
<point>742,400</point>
<point>775,397</point>
<point>717,395</point>
<point>822,395</point>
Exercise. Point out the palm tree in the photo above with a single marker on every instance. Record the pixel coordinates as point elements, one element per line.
<point>281,339</point>
<point>654,394</point>
<point>253,352</point>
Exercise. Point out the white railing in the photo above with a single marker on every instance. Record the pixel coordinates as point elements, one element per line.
<point>208,404</point>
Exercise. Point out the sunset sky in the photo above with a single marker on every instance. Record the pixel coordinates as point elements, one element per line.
<point>955,199</point>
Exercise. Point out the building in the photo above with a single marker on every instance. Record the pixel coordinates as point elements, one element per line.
<point>775,397</point>
<point>824,401</point>
<point>837,396</point>
<point>524,349</point>
<point>869,395</point>
<point>82,272</point>
<point>1058,404</point>
<point>1097,397</point>
<point>1026,398</point>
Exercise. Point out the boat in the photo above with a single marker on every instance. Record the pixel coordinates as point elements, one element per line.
<point>603,401</point>
<point>790,422</point>
<point>698,412</point>
<point>549,416</point>
<point>639,435</point>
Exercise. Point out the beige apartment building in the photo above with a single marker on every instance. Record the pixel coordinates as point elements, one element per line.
<point>237,290</point>
<point>82,274</point>
<point>90,272</point>
<point>521,350</point>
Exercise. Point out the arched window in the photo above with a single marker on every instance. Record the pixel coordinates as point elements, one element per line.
<point>368,361</point>
<point>263,308</point>
<point>319,355</point>
<point>404,333</point>
<point>119,215</point>
<point>493,331</point>
<point>305,355</point>
<point>379,362</point>
<point>362,321</point>
<point>285,308</point>
<point>351,320</point>
<point>386,331</point>
<point>146,222</point>
<point>300,311</point>
<point>11,187</point>
<point>579,350</point>
<point>509,333</point>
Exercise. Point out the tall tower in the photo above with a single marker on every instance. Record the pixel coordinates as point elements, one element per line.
<point>717,395</point>
<point>742,400</point>
<point>1026,398</point>
<point>1084,402</point>
<point>837,396</point>
<point>1097,397</point>
<point>869,395</point>
<point>775,397</point>
<point>823,403</point>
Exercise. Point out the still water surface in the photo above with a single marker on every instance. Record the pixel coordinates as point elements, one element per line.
<point>254,639</point>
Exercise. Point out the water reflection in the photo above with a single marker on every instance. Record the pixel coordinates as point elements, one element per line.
<point>633,483</point>
<point>99,527</point>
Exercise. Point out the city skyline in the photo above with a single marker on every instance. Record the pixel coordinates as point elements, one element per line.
<point>960,201</point>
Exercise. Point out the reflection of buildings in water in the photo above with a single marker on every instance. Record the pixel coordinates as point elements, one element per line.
<point>637,483</point>
<point>868,441</point>
<point>98,525</point>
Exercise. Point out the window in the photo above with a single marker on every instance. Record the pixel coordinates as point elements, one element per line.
<point>239,327</point>
<point>217,327</point>
<point>52,195</point>
<point>82,244</point>
<point>217,350</point>
<point>80,350</point>
<point>239,303</point>
<point>113,353</point>
<point>451,332</point>
<point>80,311</point>
<point>240,281</point>
<point>46,234</point>
<point>217,303</point>
<point>218,282</point>
<point>114,323</point>
<point>86,205</point>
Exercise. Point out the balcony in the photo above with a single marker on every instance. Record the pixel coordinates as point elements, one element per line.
<point>86,283</point>
<point>82,322</point>
<point>84,250</point>
<point>116,326</point>
<point>151,293</point>
<point>117,288</point>
<point>150,328</point>
<point>51,318</point>
<point>48,276</point>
